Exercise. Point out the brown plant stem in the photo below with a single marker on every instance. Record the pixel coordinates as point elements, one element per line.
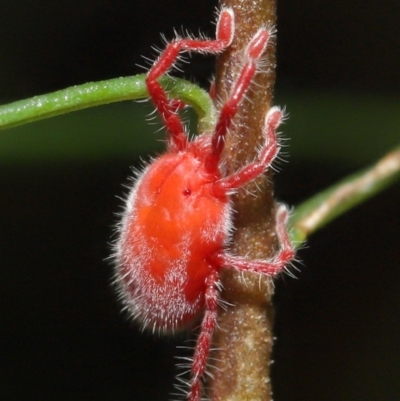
<point>241,369</point>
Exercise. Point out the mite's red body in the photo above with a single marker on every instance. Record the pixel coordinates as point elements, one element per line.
<point>174,224</point>
<point>177,220</point>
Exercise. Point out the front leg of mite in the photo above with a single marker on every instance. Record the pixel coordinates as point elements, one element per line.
<point>167,107</point>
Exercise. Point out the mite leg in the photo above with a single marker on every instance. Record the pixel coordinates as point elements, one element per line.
<point>265,157</point>
<point>203,345</point>
<point>267,267</point>
<point>224,37</point>
<point>252,54</point>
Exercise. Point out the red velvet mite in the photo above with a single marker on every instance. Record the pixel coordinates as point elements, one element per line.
<point>177,220</point>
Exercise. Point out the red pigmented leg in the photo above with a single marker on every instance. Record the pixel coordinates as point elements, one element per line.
<point>224,37</point>
<point>267,267</point>
<point>204,341</point>
<point>253,52</point>
<point>266,156</point>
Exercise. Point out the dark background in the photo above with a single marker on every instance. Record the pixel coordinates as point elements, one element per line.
<point>50,45</point>
<point>61,333</point>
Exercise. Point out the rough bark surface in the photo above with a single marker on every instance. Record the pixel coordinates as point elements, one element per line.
<point>241,368</point>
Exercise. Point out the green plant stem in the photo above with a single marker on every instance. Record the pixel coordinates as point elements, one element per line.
<point>103,92</point>
<point>327,205</point>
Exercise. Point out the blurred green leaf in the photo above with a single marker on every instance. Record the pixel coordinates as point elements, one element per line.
<point>340,127</point>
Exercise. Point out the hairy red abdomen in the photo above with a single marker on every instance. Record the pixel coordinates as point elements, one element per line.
<point>172,223</point>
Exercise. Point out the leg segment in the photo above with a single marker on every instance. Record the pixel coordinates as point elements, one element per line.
<point>224,37</point>
<point>267,267</point>
<point>265,158</point>
<point>204,341</point>
<point>252,54</point>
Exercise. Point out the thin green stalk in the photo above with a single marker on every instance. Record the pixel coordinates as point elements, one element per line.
<point>103,92</point>
<point>329,204</point>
